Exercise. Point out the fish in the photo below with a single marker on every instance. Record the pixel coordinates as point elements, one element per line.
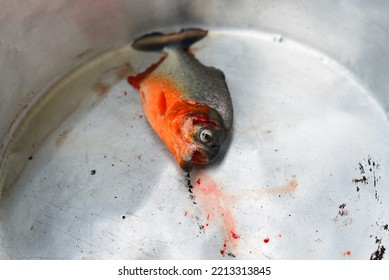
<point>186,103</point>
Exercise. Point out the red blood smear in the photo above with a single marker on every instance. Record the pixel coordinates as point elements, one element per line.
<point>223,251</point>
<point>216,204</point>
<point>289,187</point>
<point>202,119</point>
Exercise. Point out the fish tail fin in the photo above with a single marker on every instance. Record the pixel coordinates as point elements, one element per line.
<point>157,41</point>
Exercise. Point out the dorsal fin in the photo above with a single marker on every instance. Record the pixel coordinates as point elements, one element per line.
<point>156,41</point>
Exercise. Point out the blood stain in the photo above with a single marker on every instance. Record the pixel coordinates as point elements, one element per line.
<point>62,137</point>
<point>234,235</point>
<point>186,213</point>
<point>100,88</point>
<point>124,71</point>
<point>347,253</point>
<point>223,250</point>
<point>289,187</point>
<point>216,204</point>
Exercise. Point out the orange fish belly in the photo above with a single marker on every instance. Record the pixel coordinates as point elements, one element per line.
<point>166,110</point>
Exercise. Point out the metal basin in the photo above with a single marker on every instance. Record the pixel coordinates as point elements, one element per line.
<point>83,176</point>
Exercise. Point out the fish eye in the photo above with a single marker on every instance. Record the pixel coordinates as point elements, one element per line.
<point>206,136</point>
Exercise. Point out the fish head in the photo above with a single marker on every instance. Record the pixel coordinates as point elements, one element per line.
<point>204,137</point>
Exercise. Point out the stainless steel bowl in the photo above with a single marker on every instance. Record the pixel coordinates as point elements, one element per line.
<point>83,176</point>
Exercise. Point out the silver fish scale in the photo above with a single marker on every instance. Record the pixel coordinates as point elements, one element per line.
<point>205,85</point>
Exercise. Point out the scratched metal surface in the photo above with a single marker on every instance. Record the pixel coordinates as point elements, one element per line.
<point>305,177</point>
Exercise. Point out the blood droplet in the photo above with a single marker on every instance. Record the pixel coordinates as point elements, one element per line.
<point>234,235</point>
<point>347,253</point>
<point>223,250</point>
<point>266,240</point>
<point>186,213</point>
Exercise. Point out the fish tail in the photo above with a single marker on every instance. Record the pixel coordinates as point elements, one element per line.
<point>158,41</point>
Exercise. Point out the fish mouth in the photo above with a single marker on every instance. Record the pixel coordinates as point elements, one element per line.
<point>199,158</point>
